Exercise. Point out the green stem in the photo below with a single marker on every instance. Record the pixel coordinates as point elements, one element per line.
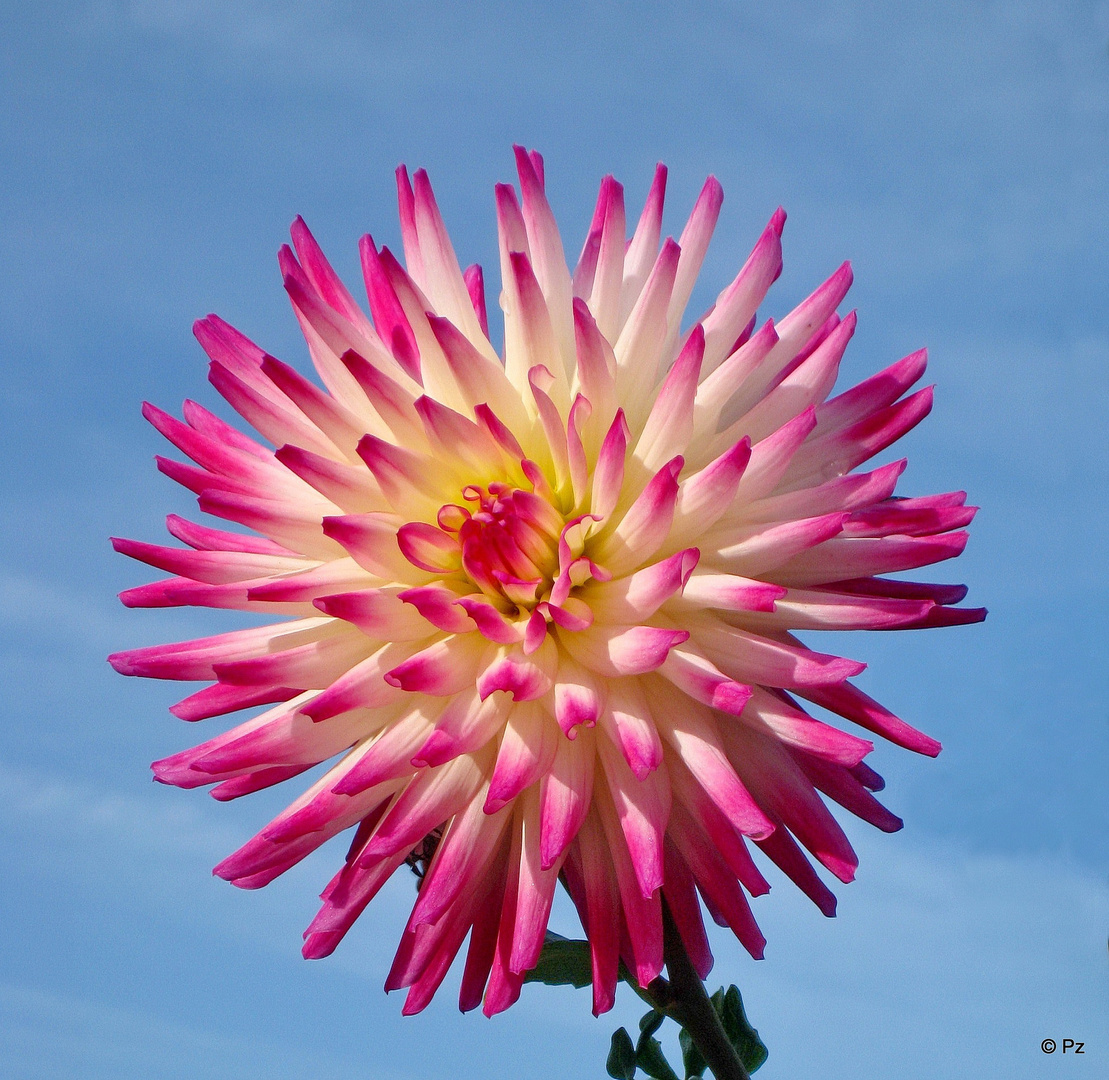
<point>683,998</point>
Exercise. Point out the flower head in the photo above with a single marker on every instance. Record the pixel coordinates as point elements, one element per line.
<point>538,614</point>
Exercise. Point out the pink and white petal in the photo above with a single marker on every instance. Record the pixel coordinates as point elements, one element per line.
<point>542,383</point>
<point>349,488</point>
<point>469,847</point>
<point>578,461</point>
<point>690,729</point>
<point>504,986</point>
<point>279,421</point>
<point>820,609</point>
<point>465,725</point>
<point>608,476</point>
<point>328,333</point>
<point>645,526</point>
<point>852,704</point>
<point>378,613</point>
<point>877,392</point>
<point>437,604</point>
<point>187,660</point>
<point>621,650</point>
<point>755,658</point>
<point>842,493</point>
<point>737,304</point>
<point>713,829</point>
<point>694,674</point>
<point>212,567</point>
<point>415,484</point>
<point>693,243</point>
<point>219,699</point>
<point>481,380</point>
<point>547,255</point>
<point>323,278</point>
<point>591,883</point>
<point>474,277</point>
<point>771,458</point>
<point>643,246</point>
<point>642,915</point>
<point>837,783</point>
<point>442,669</point>
<point>770,715</point>
<point>840,452</point>
<point>314,665</point>
<point>343,905</point>
<point>435,373</point>
<point>840,559</point>
<point>681,898</point>
<point>912,517</point>
<point>454,435</point>
<point>718,385</point>
<point>391,401</point>
<point>705,497</point>
<point>627,722</point>
<point>783,851</point>
<point>483,936</point>
<point>716,883</point>
<point>410,237</point>
<point>638,596</point>
<point>283,736</point>
<point>565,795</point>
<point>729,592</point>
<point>401,349</point>
<point>577,697</point>
<point>431,797</point>
<point>363,686</point>
<point>429,548</point>
<point>596,375</point>
<point>640,347</point>
<point>643,807</point>
<point>522,677</point>
<point>536,889</point>
<point>338,575</point>
<point>607,278</point>
<point>778,783</point>
<point>759,551</point>
<point>342,426</point>
<point>669,425</point>
<point>205,538</point>
<point>491,624</point>
<point>532,340</point>
<point>525,754</point>
<point>295,525</point>
<point>441,276</point>
<point>234,596</point>
<point>371,540</point>
<point>794,332</point>
<point>808,384</point>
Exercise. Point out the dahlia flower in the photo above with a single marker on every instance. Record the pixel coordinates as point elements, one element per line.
<point>537,614</point>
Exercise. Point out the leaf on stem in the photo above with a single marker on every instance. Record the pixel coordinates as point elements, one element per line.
<point>621,1056</point>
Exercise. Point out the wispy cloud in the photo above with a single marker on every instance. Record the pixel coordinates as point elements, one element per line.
<point>53,1036</point>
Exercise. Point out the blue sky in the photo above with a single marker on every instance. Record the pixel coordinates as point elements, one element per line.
<point>154,154</point>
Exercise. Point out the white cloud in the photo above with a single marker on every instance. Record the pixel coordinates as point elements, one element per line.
<point>51,1036</point>
<point>942,963</point>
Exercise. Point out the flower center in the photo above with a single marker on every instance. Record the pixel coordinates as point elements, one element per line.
<point>508,538</point>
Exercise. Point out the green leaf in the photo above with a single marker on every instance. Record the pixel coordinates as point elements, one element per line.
<point>750,1048</point>
<point>649,1023</point>
<point>563,962</point>
<point>621,1056</point>
<point>692,1060</point>
<point>650,1058</point>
